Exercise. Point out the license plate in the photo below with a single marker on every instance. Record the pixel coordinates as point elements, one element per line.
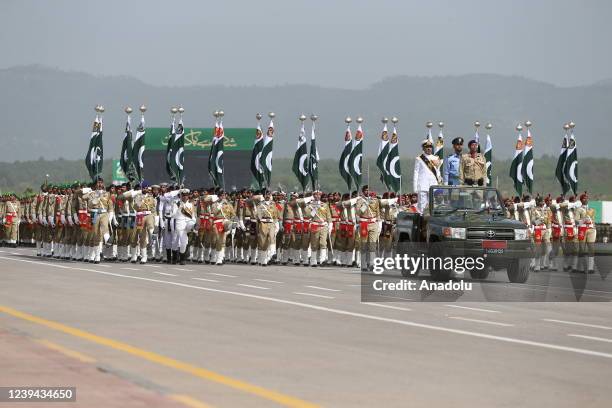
<point>494,247</point>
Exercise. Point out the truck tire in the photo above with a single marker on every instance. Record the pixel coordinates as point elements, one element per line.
<point>438,274</point>
<point>518,270</point>
<point>480,274</point>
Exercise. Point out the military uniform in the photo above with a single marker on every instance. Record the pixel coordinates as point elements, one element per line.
<point>587,234</point>
<point>538,218</point>
<point>101,210</point>
<point>11,216</point>
<point>368,214</point>
<point>320,224</point>
<point>145,207</point>
<point>222,212</point>
<point>266,215</point>
<point>390,211</point>
<point>473,170</point>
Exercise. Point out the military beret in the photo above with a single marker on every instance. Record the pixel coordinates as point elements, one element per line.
<point>472,141</point>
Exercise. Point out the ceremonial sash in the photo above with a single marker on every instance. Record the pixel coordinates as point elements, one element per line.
<point>430,166</point>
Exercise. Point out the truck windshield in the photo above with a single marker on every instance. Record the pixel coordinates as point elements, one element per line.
<point>467,199</point>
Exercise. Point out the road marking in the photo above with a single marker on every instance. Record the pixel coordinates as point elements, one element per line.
<point>596,326</point>
<point>314,295</point>
<point>222,274</point>
<point>183,269</point>
<point>407,323</point>
<point>190,402</point>
<point>591,338</point>
<point>267,280</point>
<point>16,253</point>
<point>130,269</point>
<point>252,286</point>
<point>67,351</point>
<point>153,266</point>
<point>387,306</point>
<point>162,360</point>
<point>104,266</point>
<point>481,321</point>
<point>206,280</point>
<point>474,308</point>
<point>164,273</point>
<point>320,288</point>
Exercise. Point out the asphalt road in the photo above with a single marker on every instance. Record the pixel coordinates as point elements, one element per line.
<point>248,336</point>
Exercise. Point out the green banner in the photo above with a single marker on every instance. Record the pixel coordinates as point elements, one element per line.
<point>118,174</point>
<point>201,138</point>
<point>598,207</point>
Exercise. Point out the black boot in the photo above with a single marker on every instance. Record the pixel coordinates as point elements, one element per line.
<point>182,258</point>
<point>168,256</point>
<point>175,257</point>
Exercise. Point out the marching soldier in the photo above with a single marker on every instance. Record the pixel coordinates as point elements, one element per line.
<point>11,214</point>
<point>266,215</point>
<point>320,224</point>
<point>183,220</point>
<point>587,234</point>
<point>367,210</point>
<point>570,239</point>
<point>289,232</point>
<point>556,234</point>
<point>335,210</point>
<point>472,169</point>
<point>101,210</point>
<point>222,212</point>
<point>390,210</point>
<point>538,218</point>
<point>144,205</point>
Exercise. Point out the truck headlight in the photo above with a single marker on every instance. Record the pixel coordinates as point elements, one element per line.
<point>521,234</point>
<point>454,233</point>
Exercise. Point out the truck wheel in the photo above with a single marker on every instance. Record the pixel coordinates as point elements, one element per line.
<point>480,274</point>
<point>518,270</point>
<point>438,274</point>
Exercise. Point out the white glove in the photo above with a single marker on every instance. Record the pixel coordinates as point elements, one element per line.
<point>113,219</point>
<point>40,219</point>
<point>50,218</point>
<point>70,221</point>
<point>329,226</point>
<point>63,219</point>
<point>380,223</point>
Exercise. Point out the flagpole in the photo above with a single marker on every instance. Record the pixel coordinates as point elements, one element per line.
<point>348,121</point>
<point>314,118</point>
<point>394,120</point>
<point>101,110</point>
<point>143,109</point>
<point>221,115</point>
<point>302,118</point>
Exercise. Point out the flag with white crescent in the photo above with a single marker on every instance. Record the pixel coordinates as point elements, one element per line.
<point>383,153</point>
<point>256,170</point>
<point>170,149</point>
<point>527,167</point>
<point>355,159</point>
<point>313,160</point>
<point>125,160</point>
<point>139,149</point>
<point>300,159</point>
<point>178,152</point>
<point>95,153</point>
<point>393,169</point>
<point>516,173</point>
<point>265,161</point>
<point>488,154</point>
<point>570,169</point>
<point>343,165</point>
<point>559,170</point>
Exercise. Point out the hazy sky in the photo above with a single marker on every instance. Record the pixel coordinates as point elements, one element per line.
<point>347,44</point>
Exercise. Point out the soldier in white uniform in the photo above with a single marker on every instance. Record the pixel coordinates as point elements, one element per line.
<point>183,220</point>
<point>426,174</point>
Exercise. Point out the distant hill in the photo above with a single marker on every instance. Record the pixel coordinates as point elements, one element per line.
<point>46,112</point>
<point>21,176</point>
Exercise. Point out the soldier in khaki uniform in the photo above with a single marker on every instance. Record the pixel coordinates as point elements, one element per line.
<point>305,250</point>
<point>222,212</point>
<point>472,168</point>
<point>587,234</point>
<point>320,224</point>
<point>266,215</point>
<point>367,210</point>
<point>570,237</point>
<point>38,232</point>
<point>538,217</point>
<point>11,215</point>
<point>288,229</point>
<point>144,205</point>
<point>101,210</point>
<point>390,210</point>
<point>335,210</point>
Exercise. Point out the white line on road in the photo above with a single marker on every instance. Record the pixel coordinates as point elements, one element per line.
<point>388,306</point>
<point>591,338</point>
<point>104,266</point>
<point>16,253</point>
<point>153,266</point>
<point>206,280</point>
<point>183,269</point>
<point>130,269</point>
<point>320,288</point>
<point>474,308</point>
<point>407,323</point>
<point>596,326</point>
<point>222,274</point>
<point>164,273</point>
<point>267,280</point>
<point>252,286</point>
<point>313,294</point>
<point>481,321</point>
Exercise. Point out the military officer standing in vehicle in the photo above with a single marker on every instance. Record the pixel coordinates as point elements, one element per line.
<point>472,169</point>
<point>452,164</point>
<point>426,173</point>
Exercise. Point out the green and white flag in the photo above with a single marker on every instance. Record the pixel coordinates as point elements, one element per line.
<point>516,166</point>
<point>393,169</point>
<point>256,169</point>
<point>439,148</point>
<point>95,153</point>
<point>216,155</point>
<point>313,161</point>
<point>170,149</point>
<point>178,153</point>
<point>570,169</point>
<point>300,159</point>
<point>265,161</point>
<point>527,167</point>
<point>488,154</point>
<point>559,173</point>
<point>125,160</point>
<point>383,153</point>
<point>343,164</point>
<point>355,159</point>
<point>139,148</point>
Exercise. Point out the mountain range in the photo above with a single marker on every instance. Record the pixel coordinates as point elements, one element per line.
<point>48,113</point>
